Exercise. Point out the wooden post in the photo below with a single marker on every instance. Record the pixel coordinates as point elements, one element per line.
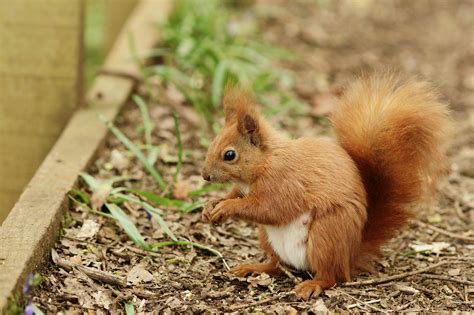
<point>40,84</point>
<point>29,232</point>
<point>116,12</point>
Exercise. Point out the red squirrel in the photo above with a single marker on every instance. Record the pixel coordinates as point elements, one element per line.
<point>326,206</point>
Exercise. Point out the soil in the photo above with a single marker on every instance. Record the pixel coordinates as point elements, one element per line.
<point>332,41</point>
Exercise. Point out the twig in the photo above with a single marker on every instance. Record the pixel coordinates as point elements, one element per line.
<point>456,290</point>
<point>444,232</point>
<point>406,305</point>
<point>219,230</point>
<point>363,302</point>
<point>288,274</point>
<point>94,274</point>
<point>358,303</point>
<point>394,277</point>
<point>242,306</point>
<point>446,278</point>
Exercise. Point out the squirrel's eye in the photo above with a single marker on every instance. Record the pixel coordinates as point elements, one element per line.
<point>229,155</point>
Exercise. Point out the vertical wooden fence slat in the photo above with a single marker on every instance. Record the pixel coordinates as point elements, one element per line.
<point>116,12</point>
<point>40,84</point>
<point>29,232</point>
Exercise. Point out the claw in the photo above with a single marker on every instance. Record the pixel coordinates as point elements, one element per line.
<point>308,289</point>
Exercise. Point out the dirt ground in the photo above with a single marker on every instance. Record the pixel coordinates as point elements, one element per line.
<point>332,41</point>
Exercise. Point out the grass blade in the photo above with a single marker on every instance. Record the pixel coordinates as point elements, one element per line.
<point>153,153</point>
<point>132,147</point>
<point>155,213</point>
<point>161,222</point>
<point>90,181</point>
<point>84,197</point>
<point>180,146</point>
<point>129,309</point>
<point>218,83</point>
<point>192,207</point>
<point>147,124</point>
<point>127,225</point>
<point>206,189</point>
<point>185,207</point>
<point>80,203</point>
<point>36,310</point>
<point>162,201</point>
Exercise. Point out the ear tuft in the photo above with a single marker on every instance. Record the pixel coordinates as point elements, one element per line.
<point>237,102</point>
<point>248,127</point>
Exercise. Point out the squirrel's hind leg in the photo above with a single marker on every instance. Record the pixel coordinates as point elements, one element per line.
<point>332,243</point>
<point>270,267</point>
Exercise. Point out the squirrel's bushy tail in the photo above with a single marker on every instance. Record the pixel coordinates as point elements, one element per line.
<point>396,132</point>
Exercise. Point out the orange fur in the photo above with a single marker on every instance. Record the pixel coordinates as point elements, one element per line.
<point>357,190</point>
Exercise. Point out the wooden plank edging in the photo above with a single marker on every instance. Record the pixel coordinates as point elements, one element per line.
<point>30,229</point>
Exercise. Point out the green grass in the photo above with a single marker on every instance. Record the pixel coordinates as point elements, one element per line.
<point>207,45</point>
<point>180,146</point>
<point>136,152</point>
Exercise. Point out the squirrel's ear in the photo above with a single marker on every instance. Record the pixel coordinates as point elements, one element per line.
<point>237,102</point>
<point>249,129</point>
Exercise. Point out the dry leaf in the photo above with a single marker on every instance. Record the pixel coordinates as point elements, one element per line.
<point>291,310</point>
<point>139,274</point>
<point>102,299</point>
<point>118,160</point>
<point>319,307</point>
<point>263,280</point>
<point>435,218</point>
<point>99,197</point>
<point>405,288</point>
<point>435,247</point>
<point>89,229</point>
<point>76,260</point>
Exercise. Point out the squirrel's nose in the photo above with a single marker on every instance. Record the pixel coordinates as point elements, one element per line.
<point>206,175</point>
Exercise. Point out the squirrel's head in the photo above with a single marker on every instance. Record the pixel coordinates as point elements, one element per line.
<point>238,152</point>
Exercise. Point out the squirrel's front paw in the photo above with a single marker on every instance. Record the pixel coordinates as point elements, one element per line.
<point>208,207</point>
<point>221,212</point>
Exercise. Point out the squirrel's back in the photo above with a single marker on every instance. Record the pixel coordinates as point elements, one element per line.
<point>396,132</point>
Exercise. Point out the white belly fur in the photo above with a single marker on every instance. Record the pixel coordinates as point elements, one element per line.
<point>290,241</point>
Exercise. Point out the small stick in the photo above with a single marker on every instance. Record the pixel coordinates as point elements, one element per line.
<point>94,274</point>
<point>364,303</point>
<point>444,232</point>
<point>394,277</point>
<point>406,305</point>
<point>288,274</point>
<point>446,278</point>
<point>242,306</point>
<point>357,304</point>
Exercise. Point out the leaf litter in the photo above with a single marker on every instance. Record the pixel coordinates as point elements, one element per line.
<point>169,261</point>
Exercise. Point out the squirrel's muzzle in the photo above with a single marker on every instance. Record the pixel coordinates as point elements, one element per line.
<point>206,175</point>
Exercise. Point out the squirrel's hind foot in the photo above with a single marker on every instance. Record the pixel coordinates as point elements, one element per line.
<point>311,288</point>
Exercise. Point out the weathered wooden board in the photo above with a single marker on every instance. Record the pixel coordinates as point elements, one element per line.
<point>40,85</point>
<point>30,229</point>
<point>115,12</point>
